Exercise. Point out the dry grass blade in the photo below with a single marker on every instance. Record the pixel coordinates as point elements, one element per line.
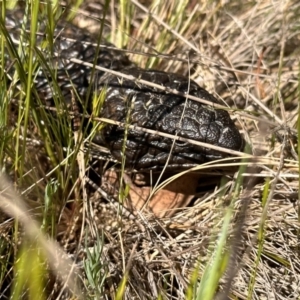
<point>12,205</point>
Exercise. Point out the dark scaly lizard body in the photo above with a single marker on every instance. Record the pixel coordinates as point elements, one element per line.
<point>165,112</point>
<point>70,42</point>
<point>150,107</point>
